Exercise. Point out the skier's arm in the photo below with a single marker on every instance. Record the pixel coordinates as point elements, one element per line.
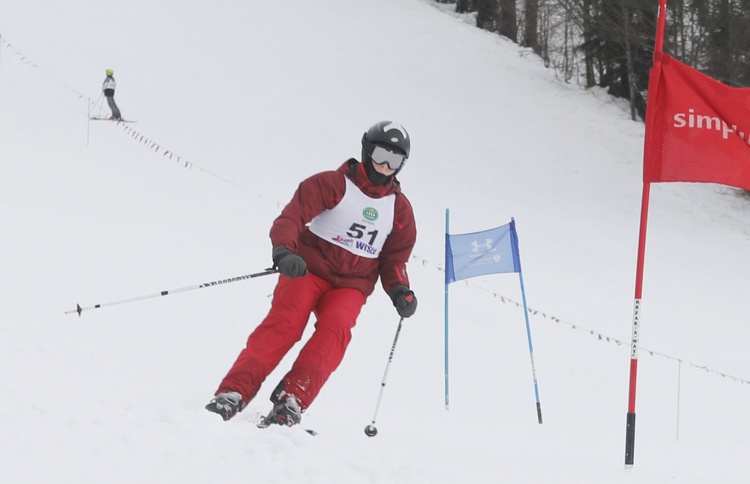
<point>398,246</point>
<point>315,194</point>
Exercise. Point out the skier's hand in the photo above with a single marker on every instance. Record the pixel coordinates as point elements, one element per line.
<point>404,300</point>
<point>288,263</point>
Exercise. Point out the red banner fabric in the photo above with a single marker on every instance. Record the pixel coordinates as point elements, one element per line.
<point>697,129</point>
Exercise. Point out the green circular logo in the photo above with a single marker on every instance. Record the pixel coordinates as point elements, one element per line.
<point>370,213</point>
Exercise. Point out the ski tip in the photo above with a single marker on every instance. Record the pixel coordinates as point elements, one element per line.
<point>96,118</point>
<point>265,422</point>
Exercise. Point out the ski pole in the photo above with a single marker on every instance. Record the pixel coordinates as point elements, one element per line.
<point>371,430</point>
<point>92,106</point>
<point>266,272</point>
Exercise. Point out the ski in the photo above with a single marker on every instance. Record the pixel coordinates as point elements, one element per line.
<point>266,422</point>
<point>94,118</point>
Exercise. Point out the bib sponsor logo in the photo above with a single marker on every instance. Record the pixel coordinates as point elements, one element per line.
<point>343,241</point>
<point>370,214</point>
<point>366,247</point>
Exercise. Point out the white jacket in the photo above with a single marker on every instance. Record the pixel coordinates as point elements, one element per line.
<point>109,83</point>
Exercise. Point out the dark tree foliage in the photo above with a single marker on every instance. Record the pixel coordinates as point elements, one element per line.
<point>610,43</point>
<point>724,52</point>
<point>616,27</point>
<point>466,6</point>
<point>507,23</point>
<point>487,13</point>
<point>493,15</point>
<point>531,25</point>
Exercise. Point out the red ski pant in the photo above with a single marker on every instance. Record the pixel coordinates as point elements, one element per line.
<point>336,311</point>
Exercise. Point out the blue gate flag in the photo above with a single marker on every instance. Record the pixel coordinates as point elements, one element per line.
<point>493,251</point>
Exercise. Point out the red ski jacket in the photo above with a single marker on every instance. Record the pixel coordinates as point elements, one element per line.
<point>332,263</point>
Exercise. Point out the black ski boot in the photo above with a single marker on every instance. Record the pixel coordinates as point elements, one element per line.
<point>285,412</point>
<point>286,409</point>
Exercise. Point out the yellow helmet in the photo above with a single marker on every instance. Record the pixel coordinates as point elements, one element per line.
<point>110,72</point>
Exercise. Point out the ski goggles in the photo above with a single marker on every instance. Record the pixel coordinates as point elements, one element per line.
<point>382,155</point>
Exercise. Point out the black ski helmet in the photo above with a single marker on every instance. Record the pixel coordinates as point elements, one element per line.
<point>387,134</point>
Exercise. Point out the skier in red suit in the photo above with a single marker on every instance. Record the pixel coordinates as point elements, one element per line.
<point>341,231</point>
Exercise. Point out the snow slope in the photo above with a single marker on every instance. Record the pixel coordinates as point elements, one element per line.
<point>237,102</point>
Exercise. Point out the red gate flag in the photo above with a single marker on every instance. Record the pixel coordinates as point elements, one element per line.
<point>697,129</point>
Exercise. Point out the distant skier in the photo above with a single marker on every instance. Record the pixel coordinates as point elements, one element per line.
<point>108,87</point>
<point>341,231</point>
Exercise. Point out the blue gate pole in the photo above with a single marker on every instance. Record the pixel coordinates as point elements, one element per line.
<point>514,239</point>
<point>447,224</point>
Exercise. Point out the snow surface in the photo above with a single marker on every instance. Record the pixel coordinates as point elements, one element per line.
<point>236,103</point>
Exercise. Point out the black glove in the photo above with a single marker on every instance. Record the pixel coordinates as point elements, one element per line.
<point>404,300</point>
<point>288,263</point>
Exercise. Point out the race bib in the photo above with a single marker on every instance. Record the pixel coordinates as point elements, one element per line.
<point>358,223</point>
